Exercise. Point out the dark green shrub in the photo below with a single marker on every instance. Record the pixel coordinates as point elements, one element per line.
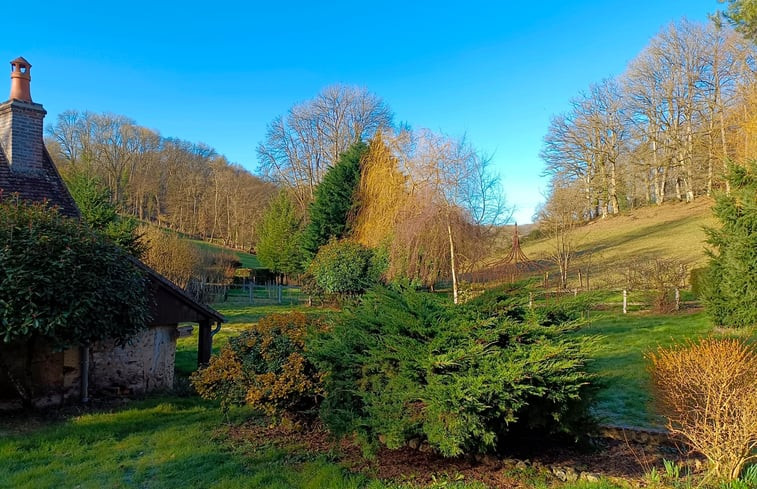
<point>61,281</point>
<point>266,368</point>
<point>345,267</point>
<point>565,309</point>
<point>404,364</point>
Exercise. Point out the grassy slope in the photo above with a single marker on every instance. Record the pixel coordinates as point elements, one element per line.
<point>673,230</point>
<point>248,260</point>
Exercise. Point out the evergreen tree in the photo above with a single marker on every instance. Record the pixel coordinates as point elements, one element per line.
<point>334,201</point>
<point>93,199</point>
<point>731,291</point>
<point>279,246</point>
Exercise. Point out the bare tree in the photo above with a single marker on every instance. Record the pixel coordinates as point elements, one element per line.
<point>300,147</point>
<point>563,212</point>
<point>174,183</point>
<point>453,196</point>
<point>585,146</point>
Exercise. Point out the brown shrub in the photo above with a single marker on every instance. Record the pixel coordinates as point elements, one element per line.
<point>708,393</point>
<point>265,367</point>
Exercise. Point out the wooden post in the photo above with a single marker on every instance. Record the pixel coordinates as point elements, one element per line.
<point>84,352</point>
<point>279,293</point>
<point>625,301</point>
<point>587,279</point>
<point>678,299</point>
<point>204,343</point>
<point>580,280</point>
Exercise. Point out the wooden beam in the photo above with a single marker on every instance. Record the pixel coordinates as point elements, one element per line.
<point>204,343</point>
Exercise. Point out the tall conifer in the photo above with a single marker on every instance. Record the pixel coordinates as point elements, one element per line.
<point>731,292</point>
<point>334,201</point>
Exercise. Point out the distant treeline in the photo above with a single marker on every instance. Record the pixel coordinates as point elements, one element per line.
<point>666,128</point>
<point>185,186</point>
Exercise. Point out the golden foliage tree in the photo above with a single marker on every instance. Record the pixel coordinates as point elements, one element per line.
<point>382,194</point>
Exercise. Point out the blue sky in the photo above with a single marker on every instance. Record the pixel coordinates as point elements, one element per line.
<point>219,72</point>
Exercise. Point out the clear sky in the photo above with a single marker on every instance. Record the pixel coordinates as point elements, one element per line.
<point>218,72</point>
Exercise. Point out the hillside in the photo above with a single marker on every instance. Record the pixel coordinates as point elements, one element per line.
<point>605,247</point>
<point>247,260</point>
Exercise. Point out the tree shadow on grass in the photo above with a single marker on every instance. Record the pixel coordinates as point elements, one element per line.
<point>158,442</point>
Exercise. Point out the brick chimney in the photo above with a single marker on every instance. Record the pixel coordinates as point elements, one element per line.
<point>21,123</point>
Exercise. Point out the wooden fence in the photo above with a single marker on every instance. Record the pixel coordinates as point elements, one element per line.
<point>259,294</point>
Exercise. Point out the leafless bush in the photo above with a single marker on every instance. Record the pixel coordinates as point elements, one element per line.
<point>659,275</point>
<point>708,393</point>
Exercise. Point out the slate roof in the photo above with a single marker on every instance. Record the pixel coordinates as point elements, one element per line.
<point>46,186</point>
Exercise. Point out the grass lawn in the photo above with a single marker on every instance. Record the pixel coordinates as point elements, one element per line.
<point>157,443</point>
<point>624,397</point>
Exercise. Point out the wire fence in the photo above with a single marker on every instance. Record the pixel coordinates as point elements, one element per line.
<point>259,294</point>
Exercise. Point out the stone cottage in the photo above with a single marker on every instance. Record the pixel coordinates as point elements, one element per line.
<point>147,362</point>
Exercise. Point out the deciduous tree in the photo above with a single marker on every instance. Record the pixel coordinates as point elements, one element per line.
<point>299,148</point>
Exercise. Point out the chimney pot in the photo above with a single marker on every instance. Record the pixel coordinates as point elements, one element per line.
<point>20,80</point>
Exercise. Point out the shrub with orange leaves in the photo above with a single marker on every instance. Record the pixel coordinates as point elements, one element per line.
<point>265,367</point>
<point>708,393</point>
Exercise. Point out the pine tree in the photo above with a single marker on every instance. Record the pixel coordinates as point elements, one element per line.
<point>93,199</point>
<point>334,201</point>
<point>279,246</point>
<point>731,291</point>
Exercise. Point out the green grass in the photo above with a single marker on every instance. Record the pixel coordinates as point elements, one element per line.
<point>158,443</point>
<point>164,442</point>
<point>624,397</point>
<point>247,260</point>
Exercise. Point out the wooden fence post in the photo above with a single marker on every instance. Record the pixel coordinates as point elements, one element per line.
<point>678,299</point>
<point>625,301</point>
<point>204,343</point>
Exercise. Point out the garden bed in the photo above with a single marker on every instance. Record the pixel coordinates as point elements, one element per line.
<point>618,461</point>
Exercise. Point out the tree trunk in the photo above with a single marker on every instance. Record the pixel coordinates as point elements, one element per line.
<point>452,262</point>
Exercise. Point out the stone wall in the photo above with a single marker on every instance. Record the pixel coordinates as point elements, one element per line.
<point>55,375</point>
<point>145,364</point>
